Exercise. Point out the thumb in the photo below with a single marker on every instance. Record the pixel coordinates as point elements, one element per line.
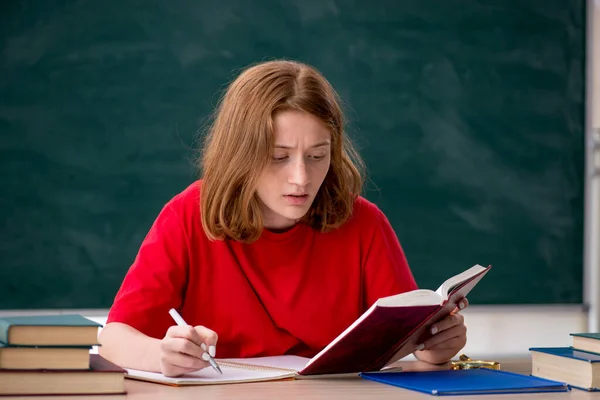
<point>461,305</point>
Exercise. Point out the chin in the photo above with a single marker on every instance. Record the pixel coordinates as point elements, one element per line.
<point>295,214</point>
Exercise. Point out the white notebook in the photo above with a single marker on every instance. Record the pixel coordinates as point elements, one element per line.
<point>235,370</point>
<point>239,370</point>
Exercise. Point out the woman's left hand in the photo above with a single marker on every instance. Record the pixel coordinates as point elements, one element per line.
<point>449,337</point>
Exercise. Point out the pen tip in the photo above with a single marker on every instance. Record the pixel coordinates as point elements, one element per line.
<point>214,364</point>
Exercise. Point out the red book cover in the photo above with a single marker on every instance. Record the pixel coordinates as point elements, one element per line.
<point>392,328</point>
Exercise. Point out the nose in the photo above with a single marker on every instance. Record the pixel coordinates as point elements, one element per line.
<point>298,174</point>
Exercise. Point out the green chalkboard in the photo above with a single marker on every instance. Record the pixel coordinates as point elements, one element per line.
<point>469,114</point>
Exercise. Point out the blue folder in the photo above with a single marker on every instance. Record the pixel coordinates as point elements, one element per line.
<point>467,381</point>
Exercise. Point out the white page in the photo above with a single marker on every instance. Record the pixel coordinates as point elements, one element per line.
<point>210,376</point>
<point>457,279</point>
<point>289,362</point>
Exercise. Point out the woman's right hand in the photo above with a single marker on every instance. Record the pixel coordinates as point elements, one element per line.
<point>183,349</point>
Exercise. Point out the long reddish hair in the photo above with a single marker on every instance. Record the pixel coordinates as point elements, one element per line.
<point>239,145</point>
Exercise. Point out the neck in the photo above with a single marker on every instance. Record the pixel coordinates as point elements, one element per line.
<point>280,230</point>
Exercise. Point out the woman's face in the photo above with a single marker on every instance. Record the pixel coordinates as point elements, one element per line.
<point>300,162</point>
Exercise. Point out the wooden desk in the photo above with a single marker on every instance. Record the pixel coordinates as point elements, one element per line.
<point>309,390</point>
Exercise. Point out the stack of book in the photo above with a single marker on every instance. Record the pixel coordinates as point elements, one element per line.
<point>45,355</point>
<point>577,365</point>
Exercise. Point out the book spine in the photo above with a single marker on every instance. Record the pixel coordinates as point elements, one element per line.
<point>4,328</point>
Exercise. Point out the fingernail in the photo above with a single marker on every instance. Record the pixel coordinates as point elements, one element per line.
<point>205,356</point>
<point>461,305</point>
<point>434,330</point>
<point>421,346</point>
<point>212,350</point>
<point>203,346</point>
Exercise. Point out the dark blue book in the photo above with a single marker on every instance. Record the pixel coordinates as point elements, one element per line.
<point>49,330</point>
<point>467,382</point>
<point>580,369</point>
<point>587,341</point>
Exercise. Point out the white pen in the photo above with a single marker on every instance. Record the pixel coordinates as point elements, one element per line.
<point>175,315</point>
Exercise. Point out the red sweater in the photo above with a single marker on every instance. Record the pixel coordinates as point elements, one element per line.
<point>286,293</point>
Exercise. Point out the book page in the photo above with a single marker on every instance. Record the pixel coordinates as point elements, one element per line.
<point>456,280</point>
<point>286,362</point>
<point>419,297</point>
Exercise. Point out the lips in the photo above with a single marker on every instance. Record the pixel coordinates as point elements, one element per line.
<point>296,198</point>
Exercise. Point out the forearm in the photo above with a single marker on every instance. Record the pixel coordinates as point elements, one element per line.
<point>129,348</point>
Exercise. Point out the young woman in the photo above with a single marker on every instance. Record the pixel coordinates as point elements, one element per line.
<point>273,251</point>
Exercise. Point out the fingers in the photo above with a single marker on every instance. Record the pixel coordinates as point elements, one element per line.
<point>455,343</point>
<point>448,338</point>
<point>438,355</point>
<point>184,349</point>
<point>447,323</point>
<point>174,371</point>
<point>208,339</point>
<point>172,359</point>
<point>175,358</point>
<point>184,339</point>
<point>461,305</point>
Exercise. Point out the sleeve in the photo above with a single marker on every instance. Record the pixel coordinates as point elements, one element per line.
<point>156,280</point>
<point>385,268</point>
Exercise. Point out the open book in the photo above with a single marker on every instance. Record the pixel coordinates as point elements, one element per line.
<point>387,332</point>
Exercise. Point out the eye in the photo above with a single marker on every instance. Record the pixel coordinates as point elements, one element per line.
<point>317,157</point>
<point>279,159</point>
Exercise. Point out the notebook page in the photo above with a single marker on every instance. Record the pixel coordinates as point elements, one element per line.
<point>209,376</point>
<point>287,362</point>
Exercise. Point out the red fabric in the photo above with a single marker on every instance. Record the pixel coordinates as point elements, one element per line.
<point>287,293</point>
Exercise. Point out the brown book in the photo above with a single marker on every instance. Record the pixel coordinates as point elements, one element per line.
<point>103,377</point>
<point>20,357</point>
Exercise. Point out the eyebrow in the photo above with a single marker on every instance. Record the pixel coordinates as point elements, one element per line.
<point>320,144</point>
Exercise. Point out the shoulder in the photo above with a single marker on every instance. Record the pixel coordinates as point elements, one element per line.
<point>366,219</point>
<point>365,212</point>
<point>187,201</point>
<point>183,208</point>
